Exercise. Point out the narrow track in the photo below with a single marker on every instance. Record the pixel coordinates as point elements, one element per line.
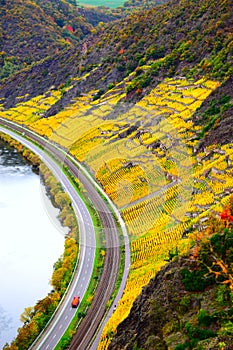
<point>105,288</point>
<point>88,327</point>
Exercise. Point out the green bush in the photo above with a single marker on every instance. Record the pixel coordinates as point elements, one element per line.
<point>182,346</point>
<point>195,333</point>
<point>222,294</point>
<point>98,94</point>
<point>185,303</point>
<point>204,318</point>
<point>195,281</point>
<point>227,329</point>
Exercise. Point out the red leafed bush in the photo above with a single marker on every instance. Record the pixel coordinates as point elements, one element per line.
<point>70,29</point>
<point>226,214</point>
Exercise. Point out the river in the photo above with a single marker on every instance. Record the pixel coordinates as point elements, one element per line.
<point>31,240</point>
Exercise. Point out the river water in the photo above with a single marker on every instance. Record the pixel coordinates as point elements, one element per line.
<point>31,240</point>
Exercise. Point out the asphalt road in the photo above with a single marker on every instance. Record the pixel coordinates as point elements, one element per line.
<point>92,324</point>
<point>87,246</point>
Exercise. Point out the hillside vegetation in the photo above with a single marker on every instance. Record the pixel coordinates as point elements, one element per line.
<point>189,40</point>
<point>180,37</point>
<point>188,305</point>
<point>145,103</point>
<point>33,30</point>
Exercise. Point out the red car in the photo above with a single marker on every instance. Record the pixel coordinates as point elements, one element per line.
<point>75,301</point>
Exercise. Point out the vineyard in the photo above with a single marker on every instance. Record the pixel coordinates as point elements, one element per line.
<point>143,155</point>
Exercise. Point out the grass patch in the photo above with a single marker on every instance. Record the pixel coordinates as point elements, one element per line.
<point>106,3</point>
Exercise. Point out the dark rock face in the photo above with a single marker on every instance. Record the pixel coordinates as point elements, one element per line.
<point>155,307</point>
<point>164,313</point>
<point>222,130</point>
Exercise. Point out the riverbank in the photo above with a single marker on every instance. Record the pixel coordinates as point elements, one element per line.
<point>44,308</point>
<point>29,241</point>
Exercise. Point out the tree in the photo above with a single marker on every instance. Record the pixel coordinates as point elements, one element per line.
<point>215,249</point>
<point>27,315</point>
<point>27,335</point>
<point>58,277</point>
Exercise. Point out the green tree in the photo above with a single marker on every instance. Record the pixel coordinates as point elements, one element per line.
<point>27,315</point>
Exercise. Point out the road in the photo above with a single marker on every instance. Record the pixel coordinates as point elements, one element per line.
<point>87,246</point>
<point>95,315</point>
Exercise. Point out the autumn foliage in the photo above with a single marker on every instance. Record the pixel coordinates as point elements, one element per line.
<point>213,250</point>
<point>226,215</point>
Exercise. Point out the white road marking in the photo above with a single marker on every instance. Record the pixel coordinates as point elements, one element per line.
<point>90,248</point>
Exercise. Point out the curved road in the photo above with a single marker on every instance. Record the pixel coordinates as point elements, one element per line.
<point>96,313</point>
<point>86,258</point>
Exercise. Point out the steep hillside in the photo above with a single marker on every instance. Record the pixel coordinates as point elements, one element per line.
<point>33,30</point>
<point>145,103</point>
<point>215,117</point>
<point>68,13</point>
<point>189,40</point>
<point>188,305</point>
<point>180,37</point>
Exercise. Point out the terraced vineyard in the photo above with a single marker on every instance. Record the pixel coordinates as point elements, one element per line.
<point>144,156</point>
